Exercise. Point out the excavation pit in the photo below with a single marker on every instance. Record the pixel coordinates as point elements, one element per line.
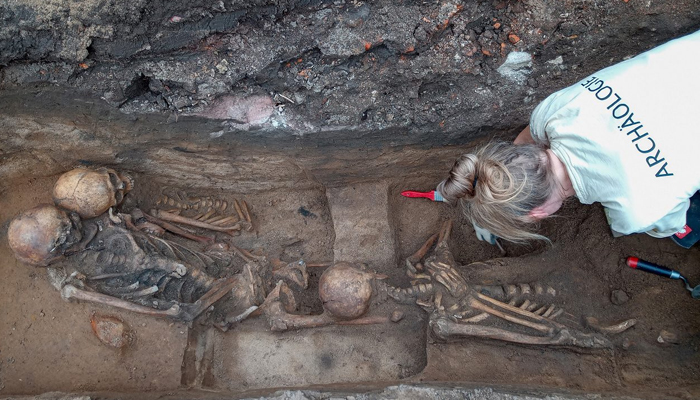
<point>322,218</point>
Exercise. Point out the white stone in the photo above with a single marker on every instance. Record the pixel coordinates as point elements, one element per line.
<point>517,67</point>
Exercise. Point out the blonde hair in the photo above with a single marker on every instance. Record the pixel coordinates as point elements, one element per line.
<point>499,185</point>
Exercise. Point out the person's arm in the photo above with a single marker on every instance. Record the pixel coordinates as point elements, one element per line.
<point>524,137</point>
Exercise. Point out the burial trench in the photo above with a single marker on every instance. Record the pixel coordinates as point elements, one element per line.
<point>350,103</point>
<point>301,211</point>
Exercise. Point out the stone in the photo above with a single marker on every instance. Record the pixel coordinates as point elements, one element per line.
<point>667,337</point>
<point>619,297</point>
<point>517,67</point>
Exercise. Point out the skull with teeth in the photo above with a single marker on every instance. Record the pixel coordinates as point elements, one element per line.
<point>40,235</point>
<point>91,192</point>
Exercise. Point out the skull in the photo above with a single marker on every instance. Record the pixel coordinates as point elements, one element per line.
<point>91,192</point>
<point>38,236</point>
<point>345,291</point>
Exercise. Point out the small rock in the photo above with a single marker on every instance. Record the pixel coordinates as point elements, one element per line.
<point>619,297</point>
<point>222,67</point>
<point>557,61</point>
<point>667,337</point>
<point>517,67</point>
<point>396,316</point>
<point>626,343</point>
<point>299,98</point>
<point>111,331</point>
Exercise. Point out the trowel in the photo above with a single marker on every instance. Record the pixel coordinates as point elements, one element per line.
<point>647,266</point>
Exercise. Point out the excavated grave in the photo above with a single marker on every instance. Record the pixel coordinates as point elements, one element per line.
<point>318,114</point>
<point>50,346</point>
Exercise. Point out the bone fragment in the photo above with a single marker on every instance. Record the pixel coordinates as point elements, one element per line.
<point>418,255</point>
<point>538,288</point>
<point>525,289</point>
<point>445,231</point>
<point>207,215</point>
<point>540,310</point>
<point>610,329</point>
<point>240,317</point>
<point>238,209</point>
<point>246,212</point>
<point>549,311</point>
<point>215,219</point>
<point>482,307</point>
<point>115,219</point>
<point>557,313</point>
<point>319,265</point>
<point>70,292</point>
<point>447,329</point>
<point>192,222</point>
<point>438,296</point>
<point>518,311</point>
<point>226,220</point>
<point>140,293</point>
<point>370,320</point>
<point>476,318</point>
<point>177,230</point>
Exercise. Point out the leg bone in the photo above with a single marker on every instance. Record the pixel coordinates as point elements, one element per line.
<point>446,329</point>
<point>70,292</point>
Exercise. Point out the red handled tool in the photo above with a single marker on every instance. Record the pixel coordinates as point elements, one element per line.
<point>432,195</point>
<point>647,266</point>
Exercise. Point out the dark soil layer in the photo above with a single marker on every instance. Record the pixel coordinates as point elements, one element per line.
<point>418,72</point>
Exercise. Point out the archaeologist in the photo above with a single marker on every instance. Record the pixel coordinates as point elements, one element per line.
<point>627,136</point>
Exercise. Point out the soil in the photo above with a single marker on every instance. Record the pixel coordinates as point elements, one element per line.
<point>318,114</point>
<point>584,264</point>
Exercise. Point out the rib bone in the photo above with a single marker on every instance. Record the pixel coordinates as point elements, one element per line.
<point>483,307</point>
<point>199,224</point>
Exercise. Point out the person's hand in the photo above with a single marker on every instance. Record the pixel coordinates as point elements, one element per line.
<point>484,235</point>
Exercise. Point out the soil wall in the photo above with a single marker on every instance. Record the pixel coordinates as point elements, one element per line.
<point>337,89</point>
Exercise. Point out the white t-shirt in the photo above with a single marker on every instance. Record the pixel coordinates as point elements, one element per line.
<point>629,136</point>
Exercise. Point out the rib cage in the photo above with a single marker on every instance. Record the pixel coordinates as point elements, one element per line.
<point>140,268</point>
<point>205,209</point>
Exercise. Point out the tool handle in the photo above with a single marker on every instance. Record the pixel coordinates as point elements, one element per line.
<point>647,266</point>
<point>433,195</point>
